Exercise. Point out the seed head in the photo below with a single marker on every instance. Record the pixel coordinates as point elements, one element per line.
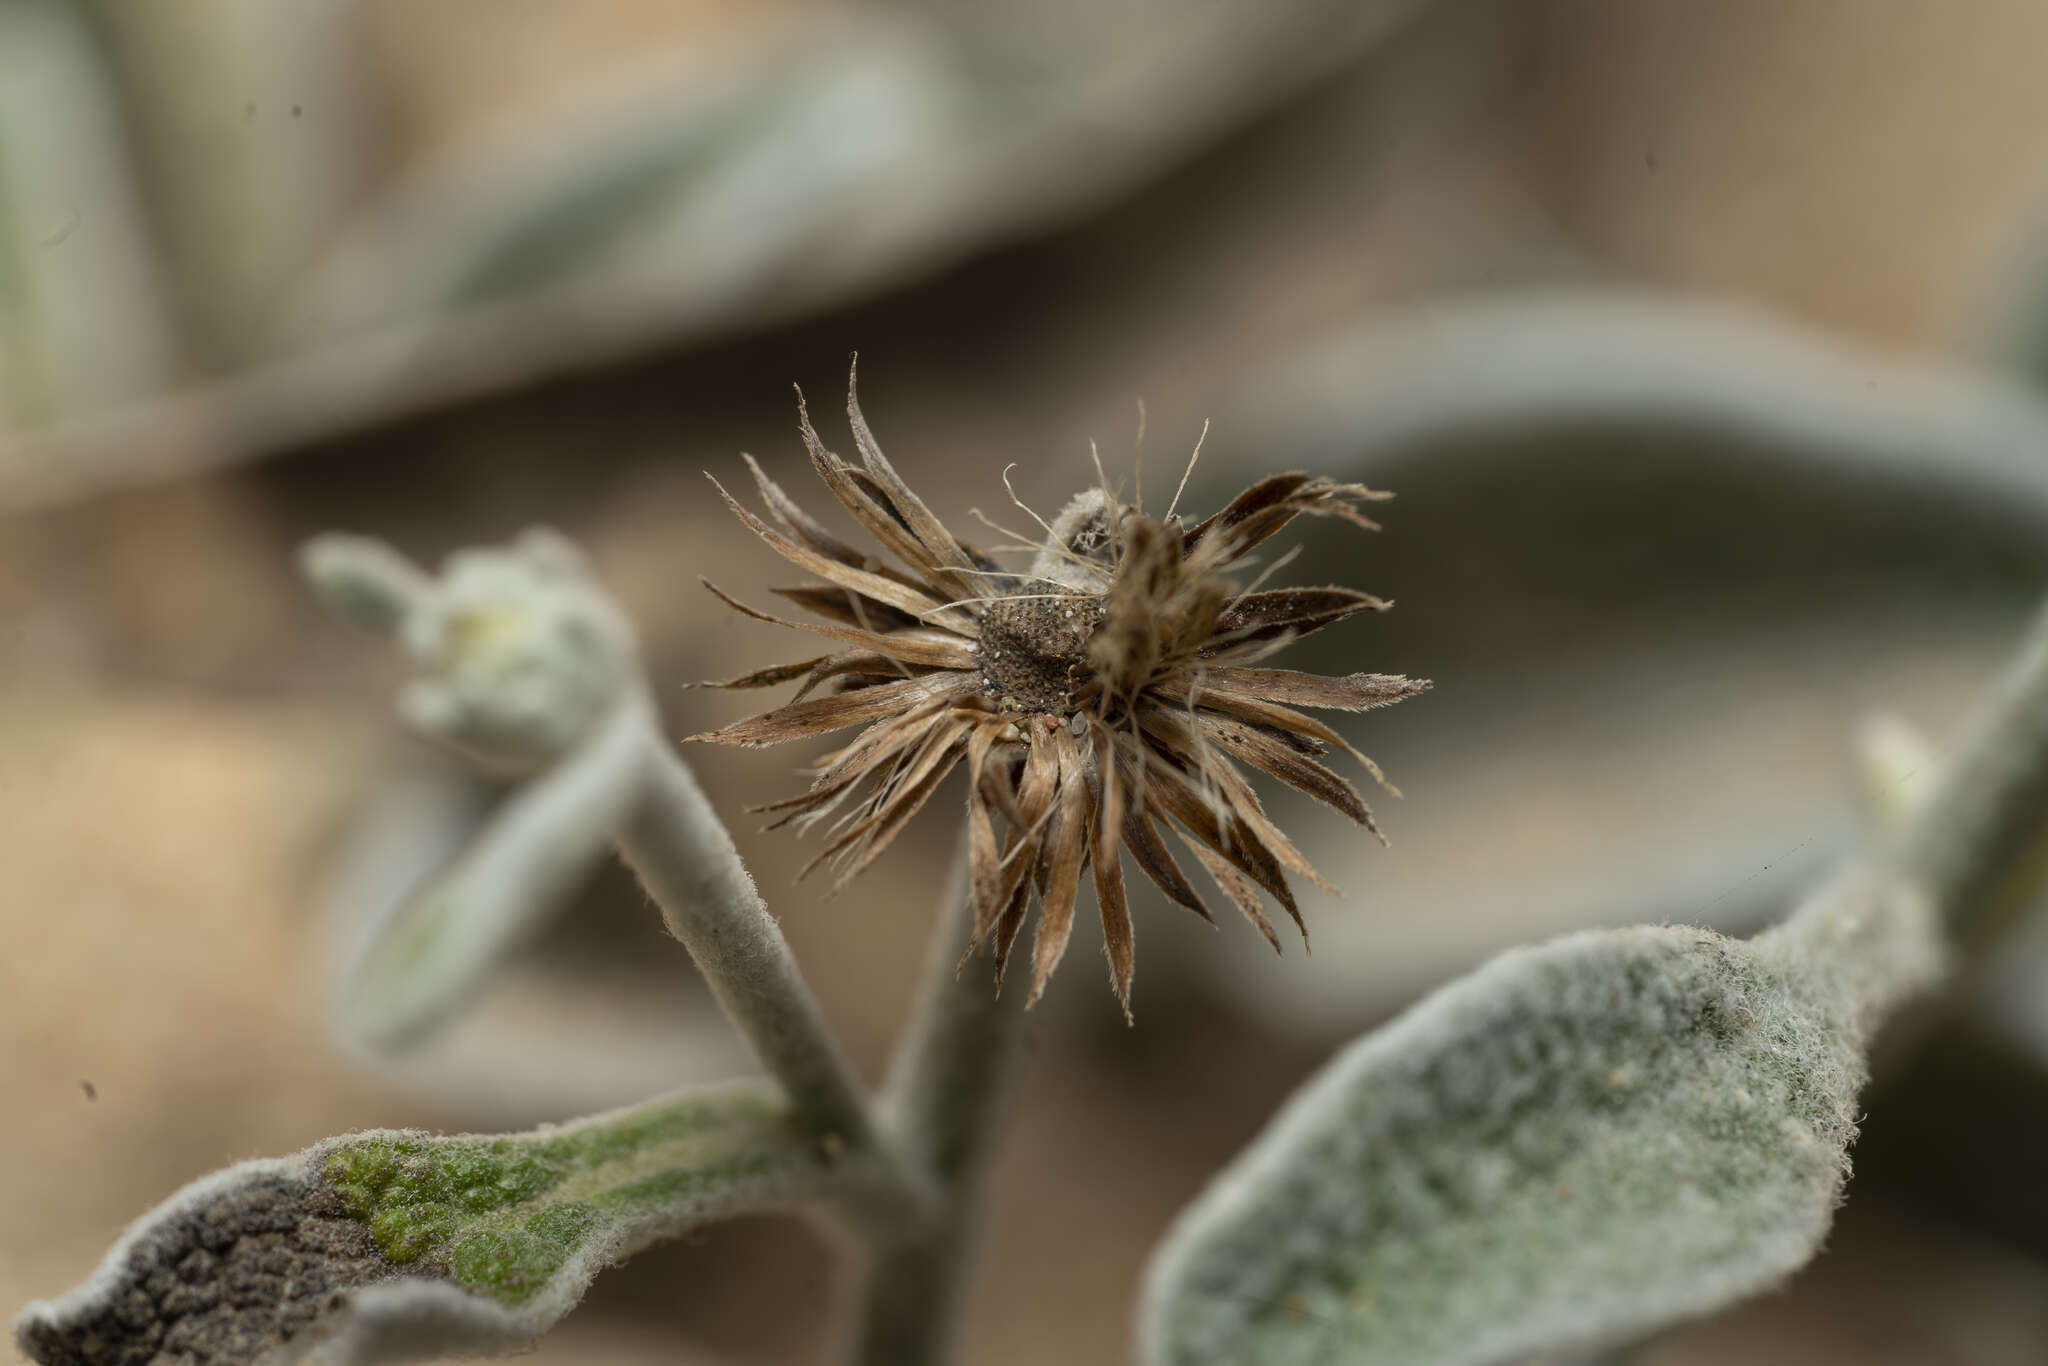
<point>1098,701</point>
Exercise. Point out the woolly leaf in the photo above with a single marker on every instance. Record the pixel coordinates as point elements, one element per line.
<point>433,952</point>
<point>528,665</point>
<point>365,582</point>
<point>1574,1144</point>
<point>398,1245</point>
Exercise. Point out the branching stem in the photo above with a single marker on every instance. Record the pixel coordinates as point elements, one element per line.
<point>946,1087</point>
<point>685,858</point>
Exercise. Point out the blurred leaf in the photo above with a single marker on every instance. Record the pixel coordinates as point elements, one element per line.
<point>399,1245</point>
<point>364,582</point>
<point>251,126</point>
<point>545,1036</point>
<point>81,318</point>
<point>1458,378</point>
<point>526,663</point>
<point>1575,1144</point>
<point>869,143</point>
<point>1667,547</point>
<point>683,196</point>
<point>2012,999</point>
<point>433,952</point>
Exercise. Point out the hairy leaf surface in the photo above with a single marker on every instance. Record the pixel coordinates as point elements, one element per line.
<point>393,1245</point>
<point>1574,1144</point>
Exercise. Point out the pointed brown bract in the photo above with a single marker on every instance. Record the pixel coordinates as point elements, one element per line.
<point>1099,699</point>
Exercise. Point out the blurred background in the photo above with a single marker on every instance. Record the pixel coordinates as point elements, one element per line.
<point>1702,344</point>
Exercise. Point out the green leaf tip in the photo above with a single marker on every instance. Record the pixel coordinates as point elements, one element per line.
<point>396,1245</point>
<point>1573,1144</point>
<point>363,581</point>
<point>502,1215</point>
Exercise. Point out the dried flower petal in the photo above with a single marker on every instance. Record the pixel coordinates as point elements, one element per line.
<point>1101,696</point>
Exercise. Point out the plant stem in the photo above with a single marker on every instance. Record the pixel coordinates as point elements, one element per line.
<point>945,1093</point>
<point>1991,802</point>
<point>1886,927</point>
<point>685,858</point>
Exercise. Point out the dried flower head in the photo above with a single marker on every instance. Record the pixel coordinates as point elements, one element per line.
<point>1098,699</point>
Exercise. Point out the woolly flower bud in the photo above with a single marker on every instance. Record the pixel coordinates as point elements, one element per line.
<point>521,654</point>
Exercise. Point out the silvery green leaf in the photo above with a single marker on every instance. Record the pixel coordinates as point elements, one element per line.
<point>252,129</point>
<point>859,147</point>
<point>526,664</point>
<point>365,582</point>
<point>433,951</point>
<point>1575,1144</point>
<point>1460,380</point>
<point>82,316</point>
<point>1685,770</point>
<point>394,1245</point>
<point>789,165</point>
<point>541,1039</point>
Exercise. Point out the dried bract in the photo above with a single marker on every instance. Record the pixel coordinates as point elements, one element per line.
<point>1098,700</point>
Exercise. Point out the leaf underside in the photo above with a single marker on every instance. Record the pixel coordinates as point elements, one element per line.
<point>1573,1145</point>
<point>395,1245</point>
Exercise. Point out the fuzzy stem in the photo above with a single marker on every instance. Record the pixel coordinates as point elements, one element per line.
<point>686,860</point>
<point>1991,802</point>
<point>1884,928</point>
<point>946,1086</point>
